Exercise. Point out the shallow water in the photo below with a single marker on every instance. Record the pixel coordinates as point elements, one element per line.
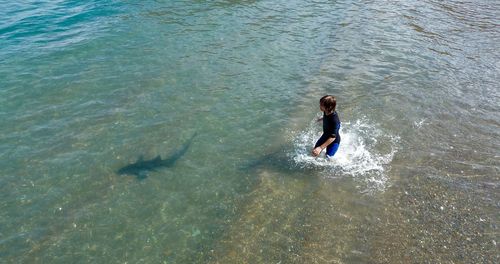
<point>87,88</point>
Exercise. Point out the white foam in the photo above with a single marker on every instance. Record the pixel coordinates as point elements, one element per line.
<point>365,153</point>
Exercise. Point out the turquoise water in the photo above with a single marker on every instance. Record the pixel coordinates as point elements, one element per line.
<point>88,88</point>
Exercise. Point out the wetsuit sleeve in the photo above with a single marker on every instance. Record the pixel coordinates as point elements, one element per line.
<point>337,128</point>
<point>334,132</point>
<point>332,126</point>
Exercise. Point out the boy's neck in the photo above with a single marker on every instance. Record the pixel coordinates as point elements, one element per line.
<point>328,113</point>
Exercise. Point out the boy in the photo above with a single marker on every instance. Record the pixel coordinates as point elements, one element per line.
<point>331,125</point>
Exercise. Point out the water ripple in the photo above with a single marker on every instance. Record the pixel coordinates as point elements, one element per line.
<point>51,24</point>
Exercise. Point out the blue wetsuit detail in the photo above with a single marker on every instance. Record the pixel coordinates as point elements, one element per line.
<point>332,149</point>
<point>331,126</point>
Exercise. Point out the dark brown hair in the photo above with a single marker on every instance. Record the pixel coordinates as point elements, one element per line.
<point>328,102</point>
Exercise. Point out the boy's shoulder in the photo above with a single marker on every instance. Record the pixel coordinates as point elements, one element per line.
<point>335,116</point>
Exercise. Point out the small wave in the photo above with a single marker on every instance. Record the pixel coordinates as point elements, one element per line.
<point>364,154</point>
<point>53,24</point>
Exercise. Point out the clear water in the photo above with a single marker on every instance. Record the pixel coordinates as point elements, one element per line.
<point>89,87</point>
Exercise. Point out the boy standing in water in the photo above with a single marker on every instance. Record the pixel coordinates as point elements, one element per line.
<point>331,125</point>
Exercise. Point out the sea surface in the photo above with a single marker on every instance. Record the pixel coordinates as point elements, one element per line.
<point>227,91</point>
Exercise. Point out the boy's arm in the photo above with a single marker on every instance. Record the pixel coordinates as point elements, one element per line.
<point>316,151</point>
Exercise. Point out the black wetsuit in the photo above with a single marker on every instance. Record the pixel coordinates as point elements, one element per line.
<point>331,126</point>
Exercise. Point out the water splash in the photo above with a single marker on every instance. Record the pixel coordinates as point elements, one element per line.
<point>365,153</point>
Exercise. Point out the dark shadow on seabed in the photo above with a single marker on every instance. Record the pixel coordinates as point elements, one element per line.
<point>279,161</point>
<point>142,167</point>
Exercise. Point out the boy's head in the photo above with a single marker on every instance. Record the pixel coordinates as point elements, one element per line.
<point>328,103</point>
